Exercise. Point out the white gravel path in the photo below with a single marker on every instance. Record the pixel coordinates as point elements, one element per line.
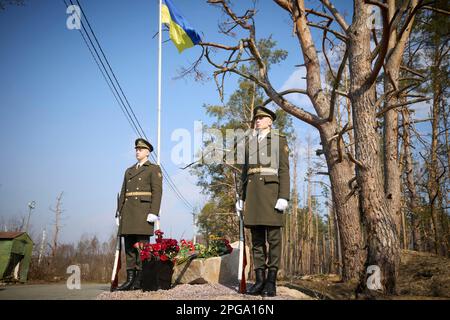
<point>200,292</point>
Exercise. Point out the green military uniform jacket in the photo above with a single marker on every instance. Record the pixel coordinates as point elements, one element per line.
<point>134,208</point>
<point>260,191</point>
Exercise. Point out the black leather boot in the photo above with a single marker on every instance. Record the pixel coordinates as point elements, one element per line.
<point>131,274</point>
<point>270,288</point>
<point>137,284</point>
<point>255,289</point>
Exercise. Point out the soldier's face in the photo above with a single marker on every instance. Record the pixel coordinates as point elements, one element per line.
<point>142,153</point>
<point>262,123</point>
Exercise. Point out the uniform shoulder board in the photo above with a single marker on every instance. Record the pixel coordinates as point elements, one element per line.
<point>158,170</point>
<point>279,134</point>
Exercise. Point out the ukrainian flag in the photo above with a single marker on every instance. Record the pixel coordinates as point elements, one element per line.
<point>181,33</point>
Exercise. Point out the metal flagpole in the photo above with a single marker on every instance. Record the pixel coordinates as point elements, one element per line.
<point>158,156</point>
<point>159,83</point>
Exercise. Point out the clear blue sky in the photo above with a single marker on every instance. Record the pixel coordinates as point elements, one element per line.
<point>62,130</point>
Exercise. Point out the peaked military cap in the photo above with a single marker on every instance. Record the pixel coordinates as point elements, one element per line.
<point>261,111</point>
<point>142,143</point>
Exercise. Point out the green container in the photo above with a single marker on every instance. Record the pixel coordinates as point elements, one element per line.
<point>15,247</point>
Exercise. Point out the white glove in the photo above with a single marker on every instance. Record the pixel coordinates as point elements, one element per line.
<point>152,217</point>
<point>117,221</point>
<point>239,206</point>
<point>281,205</point>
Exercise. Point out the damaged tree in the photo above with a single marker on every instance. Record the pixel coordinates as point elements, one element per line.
<point>340,165</point>
<point>362,184</point>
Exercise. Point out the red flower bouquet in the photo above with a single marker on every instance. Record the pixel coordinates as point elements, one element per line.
<point>157,262</point>
<point>162,249</point>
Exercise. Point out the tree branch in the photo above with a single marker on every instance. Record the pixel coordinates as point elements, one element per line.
<point>218,45</point>
<point>340,20</point>
<point>338,35</point>
<point>379,114</point>
<point>405,68</point>
<point>383,49</point>
<point>239,20</point>
<point>437,10</point>
<point>320,14</point>
<point>357,162</point>
<point>336,85</point>
<point>379,4</point>
<point>283,93</point>
<point>286,5</point>
<point>340,133</point>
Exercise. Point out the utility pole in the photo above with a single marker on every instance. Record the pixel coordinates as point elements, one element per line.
<point>31,206</point>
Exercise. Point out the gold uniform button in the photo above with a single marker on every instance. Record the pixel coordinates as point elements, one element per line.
<point>260,178</point>
<point>139,179</point>
<point>137,188</point>
<point>135,198</point>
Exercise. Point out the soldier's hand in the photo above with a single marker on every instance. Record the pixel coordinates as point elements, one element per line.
<point>152,217</point>
<point>239,206</point>
<point>281,204</point>
<point>117,221</point>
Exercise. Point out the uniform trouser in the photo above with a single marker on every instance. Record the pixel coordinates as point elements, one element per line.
<point>261,235</point>
<point>132,254</point>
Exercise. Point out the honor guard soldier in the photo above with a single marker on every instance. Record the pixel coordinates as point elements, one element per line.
<point>264,197</point>
<point>139,204</point>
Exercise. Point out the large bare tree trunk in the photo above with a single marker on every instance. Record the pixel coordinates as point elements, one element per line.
<point>341,174</point>
<point>294,215</point>
<point>382,237</point>
<point>390,136</point>
<point>308,224</point>
<point>433,167</point>
<point>341,170</point>
<point>316,245</point>
<point>331,236</point>
<point>410,183</point>
<point>395,50</point>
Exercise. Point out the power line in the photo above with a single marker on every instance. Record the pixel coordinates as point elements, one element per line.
<point>109,85</point>
<point>137,128</point>
<point>123,107</point>
<point>107,62</point>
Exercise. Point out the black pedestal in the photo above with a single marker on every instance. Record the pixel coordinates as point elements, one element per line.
<point>156,275</point>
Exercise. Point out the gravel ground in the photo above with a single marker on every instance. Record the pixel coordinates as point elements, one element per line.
<point>200,292</point>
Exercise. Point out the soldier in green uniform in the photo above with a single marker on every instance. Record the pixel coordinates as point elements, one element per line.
<point>139,204</point>
<point>264,197</point>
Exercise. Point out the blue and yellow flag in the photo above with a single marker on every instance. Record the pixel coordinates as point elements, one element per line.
<point>181,33</point>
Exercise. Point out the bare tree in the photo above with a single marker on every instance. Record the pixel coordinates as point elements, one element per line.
<point>393,61</point>
<point>341,168</point>
<point>57,226</point>
<point>379,198</point>
<point>410,182</point>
